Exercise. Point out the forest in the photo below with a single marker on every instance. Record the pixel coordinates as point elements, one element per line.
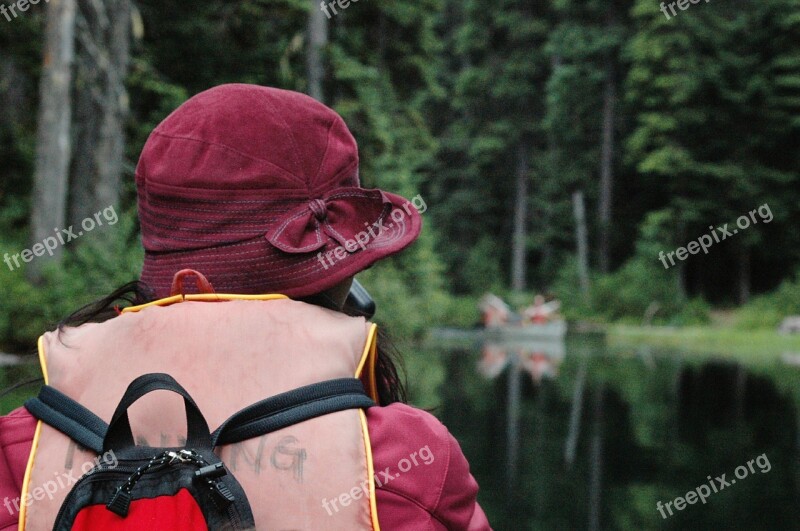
<point>660,125</point>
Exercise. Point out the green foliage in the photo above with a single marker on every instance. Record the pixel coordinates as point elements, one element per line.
<point>441,95</point>
<point>14,397</point>
<point>630,292</point>
<point>641,289</point>
<point>769,310</point>
<point>481,271</point>
<point>95,265</point>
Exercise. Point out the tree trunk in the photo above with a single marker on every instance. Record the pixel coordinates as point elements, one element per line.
<point>512,421</point>
<point>607,154</point>
<point>575,414</point>
<point>607,171</point>
<point>101,105</point>
<point>317,40</point>
<point>111,149</point>
<point>519,244</point>
<point>744,275</point>
<point>49,201</point>
<point>604,211</point>
<point>596,462</point>
<point>581,235</point>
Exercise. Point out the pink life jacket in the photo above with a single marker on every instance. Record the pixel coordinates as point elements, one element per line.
<point>228,355</point>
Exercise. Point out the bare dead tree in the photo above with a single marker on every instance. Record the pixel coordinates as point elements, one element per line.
<point>604,209</point>
<point>317,40</point>
<point>519,243</point>
<point>101,104</point>
<point>48,205</point>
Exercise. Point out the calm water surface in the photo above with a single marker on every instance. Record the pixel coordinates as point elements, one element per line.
<point>578,437</point>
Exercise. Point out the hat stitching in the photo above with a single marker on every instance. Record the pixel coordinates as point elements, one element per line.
<point>216,222</point>
<point>324,153</point>
<point>255,260</point>
<point>293,266</point>
<point>300,213</point>
<point>392,238</point>
<point>217,211</point>
<point>189,200</point>
<point>225,245</point>
<point>286,222</point>
<point>265,215</point>
<point>312,268</point>
<point>167,190</point>
<point>303,212</point>
<point>172,206</point>
<point>336,177</point>
<point>291,138</point>
<point>195,240</point>
<point>336,232</point>
<point>210,221</point>
<point>212,259</point>
<point>228,148</point>
<point>312,264</point>
<point>255,227</point>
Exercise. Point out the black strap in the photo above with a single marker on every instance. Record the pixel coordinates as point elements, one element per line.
<point>87,429</point>
<point>69,417</point>
<point>119,435</point>
<point>292,407</point>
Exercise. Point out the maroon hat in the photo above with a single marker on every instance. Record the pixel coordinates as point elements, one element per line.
<point>257,189</point>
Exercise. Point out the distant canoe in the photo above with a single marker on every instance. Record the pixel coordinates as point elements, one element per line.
<point>552,331</point>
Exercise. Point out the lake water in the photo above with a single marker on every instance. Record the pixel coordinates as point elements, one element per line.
<point>579,437</point>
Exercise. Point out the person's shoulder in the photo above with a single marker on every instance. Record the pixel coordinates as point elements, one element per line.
<point>16,433</point>
<point>17,426</point>
<point>398,430</point>
<point>417,460</point>
<point>412,422</point>
<point>16,437</point>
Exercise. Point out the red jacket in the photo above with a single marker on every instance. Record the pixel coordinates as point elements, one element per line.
<point>428,497</point>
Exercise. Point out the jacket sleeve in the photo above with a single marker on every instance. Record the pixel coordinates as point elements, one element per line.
<point>16,438</point>
<point>458,507</point>
<point>422,477</point>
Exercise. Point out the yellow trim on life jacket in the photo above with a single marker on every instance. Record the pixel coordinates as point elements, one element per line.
<point>23,508</point>
<point>369,359</point>
<point>373,506</point>
<point>23,513</point>
<point>43,360</point>
<point>204,297</point>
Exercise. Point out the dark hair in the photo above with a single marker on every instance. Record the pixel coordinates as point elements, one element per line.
<point>391,387</point>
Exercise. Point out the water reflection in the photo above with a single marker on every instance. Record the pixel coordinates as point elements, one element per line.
<point>573,436</point>
<point>538,359</point>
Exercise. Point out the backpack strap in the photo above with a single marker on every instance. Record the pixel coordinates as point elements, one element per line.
<point>292,407</point>
<point>69,417</point>
<point>280,411</point>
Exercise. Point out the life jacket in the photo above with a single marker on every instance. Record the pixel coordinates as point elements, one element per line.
<point>228,352</point>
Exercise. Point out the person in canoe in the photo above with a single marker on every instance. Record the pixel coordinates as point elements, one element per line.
<point>541,312</point>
